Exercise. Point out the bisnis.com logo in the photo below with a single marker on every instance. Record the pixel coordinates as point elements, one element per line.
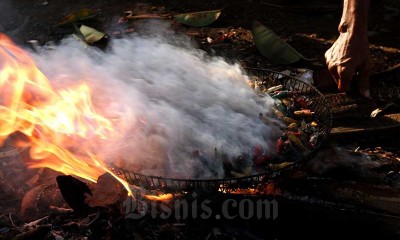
<point>181,209</point>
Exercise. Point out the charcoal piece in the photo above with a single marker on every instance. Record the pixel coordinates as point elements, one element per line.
<point>227,165</point>
<point>106,192</point>
<point>73,192</point>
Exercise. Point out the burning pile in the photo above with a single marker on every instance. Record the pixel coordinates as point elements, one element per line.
<point>57,123</point>
<point>150,107</point>
<point>149,116</point>
<point>163,117</point>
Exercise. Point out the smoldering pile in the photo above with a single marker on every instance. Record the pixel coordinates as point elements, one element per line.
<point>172,106</point>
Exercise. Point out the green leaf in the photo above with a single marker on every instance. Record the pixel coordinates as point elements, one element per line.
<point>273,47</point>
<point>79,15</point>
<point>198,19</point>
<point>90,35</point>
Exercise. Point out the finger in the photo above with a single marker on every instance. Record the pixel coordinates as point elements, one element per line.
<point>328,55</point>
<point>345,76</point>
<point>333,70</point>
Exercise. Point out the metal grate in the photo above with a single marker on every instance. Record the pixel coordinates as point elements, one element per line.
<point>320,106</point>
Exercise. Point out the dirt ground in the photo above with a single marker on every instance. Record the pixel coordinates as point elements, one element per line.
<point>310,27</point>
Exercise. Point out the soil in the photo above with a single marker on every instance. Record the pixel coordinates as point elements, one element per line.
<point>310,27</point>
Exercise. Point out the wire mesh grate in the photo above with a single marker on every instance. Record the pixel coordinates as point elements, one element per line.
<point>320,106</point>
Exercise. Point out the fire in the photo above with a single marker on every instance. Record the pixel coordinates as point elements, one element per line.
<point>250,191</point>
<point>62,125</point>
<point>161,197</point>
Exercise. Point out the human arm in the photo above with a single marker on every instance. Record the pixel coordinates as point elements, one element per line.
<point>350,56</point>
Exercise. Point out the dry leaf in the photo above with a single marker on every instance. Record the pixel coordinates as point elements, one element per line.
<point>79,15</point>
<point>91,35</point>
<point>30,200</point>
<point>198,19</point>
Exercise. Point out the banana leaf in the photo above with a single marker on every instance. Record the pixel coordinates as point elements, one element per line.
<point>273,47</point>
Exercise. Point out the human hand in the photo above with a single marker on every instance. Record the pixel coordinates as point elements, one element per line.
<point>349,59</point>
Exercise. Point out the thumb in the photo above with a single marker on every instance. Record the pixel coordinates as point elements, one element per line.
<point>345,75</point>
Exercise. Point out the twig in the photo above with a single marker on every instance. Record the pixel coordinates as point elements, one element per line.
<point>87,225</point>
<point>11,220</point>
<point>60,209</point>
<point>36,233</point>
<point>35,222</point>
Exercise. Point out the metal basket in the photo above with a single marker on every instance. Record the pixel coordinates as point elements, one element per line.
<point>320,106</point>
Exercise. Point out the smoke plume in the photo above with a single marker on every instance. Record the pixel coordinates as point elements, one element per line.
<point>167,101</point>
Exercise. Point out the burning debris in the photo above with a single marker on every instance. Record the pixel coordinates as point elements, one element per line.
<point>147,115</point>
<point>154,117</point>
<point>303,129</point>
<point>164,120</point>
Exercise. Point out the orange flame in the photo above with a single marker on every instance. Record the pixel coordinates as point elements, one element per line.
<point>250,191</point>
<point>160,198</point>
<point>63,126</point>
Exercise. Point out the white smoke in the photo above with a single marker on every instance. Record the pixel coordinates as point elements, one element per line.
<point>169,100</point>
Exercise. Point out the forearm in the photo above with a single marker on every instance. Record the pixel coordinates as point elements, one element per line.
<point>349,56</point>
<point>354,17</point>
